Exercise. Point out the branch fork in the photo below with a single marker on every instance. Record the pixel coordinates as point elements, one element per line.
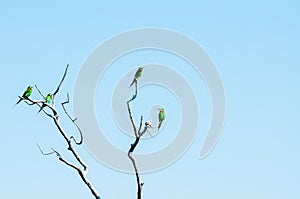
<point>138,134</point>
<point>82,169</point>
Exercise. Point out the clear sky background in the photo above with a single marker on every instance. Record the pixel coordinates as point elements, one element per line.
<point>255,46</point>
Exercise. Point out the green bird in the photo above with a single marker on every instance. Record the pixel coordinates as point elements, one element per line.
<point>161,116</point>
<point>137,75</point>
<point>26,94</point>
<point>48,100</point>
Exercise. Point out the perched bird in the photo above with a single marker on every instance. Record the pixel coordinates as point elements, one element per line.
<point>48,100</point>
<point>26,94</point>
<point>137,75</point>
<point>161,116</point>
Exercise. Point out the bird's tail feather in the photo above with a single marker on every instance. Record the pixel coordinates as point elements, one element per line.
<point>133,81</point>
<point>18,102</point>
<point>40,109</point>
<point>159,125</point>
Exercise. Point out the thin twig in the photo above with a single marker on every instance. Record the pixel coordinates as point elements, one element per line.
<point>73,120</point>
<point>141,123</point>
<point>132,120</point>
<point>37,88</point>
<point>61,81</point>
<point>144,131</point>
<point>136,92</point>
<point>49,153</point>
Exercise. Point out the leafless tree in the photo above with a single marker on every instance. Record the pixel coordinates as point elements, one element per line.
<point>81,167</point>
<point>138,134</point>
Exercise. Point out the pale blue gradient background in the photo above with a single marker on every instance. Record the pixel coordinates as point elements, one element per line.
<point>255,47</point>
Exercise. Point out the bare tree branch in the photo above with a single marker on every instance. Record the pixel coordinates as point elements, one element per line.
<point>61,81</point>
<point>133,146</point>
<point>144,131</point>
<point>37,88</point>
<point>132,120</point>
<point>49,153</point>
<point>141,123</point>
<point>70,147</point>
<point>39,103</point>
<point>136,92</point>
<point>129,110</point>
<point>138,181</point>
<point>55,117</point>
<point>81,173</point>
<point>74,122</point>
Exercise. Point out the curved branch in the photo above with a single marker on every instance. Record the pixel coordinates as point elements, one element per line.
<point>131,119</point>
<point>61,81</point>
<point>49,153</point>
<point>74,122</point>
<point>129,110</point>
<point>70,147</point>
<point>37,88</point>
<point>81,173</point>
<point>138,181</point>
<point>137,139</point>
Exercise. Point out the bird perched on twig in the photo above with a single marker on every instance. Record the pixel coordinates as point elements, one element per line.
<point>48,100</point>
<point>26,94</point>
<point>161,116</point>
<point>137,75</point>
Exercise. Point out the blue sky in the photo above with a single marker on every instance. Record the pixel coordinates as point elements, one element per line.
<point>255,46</point>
